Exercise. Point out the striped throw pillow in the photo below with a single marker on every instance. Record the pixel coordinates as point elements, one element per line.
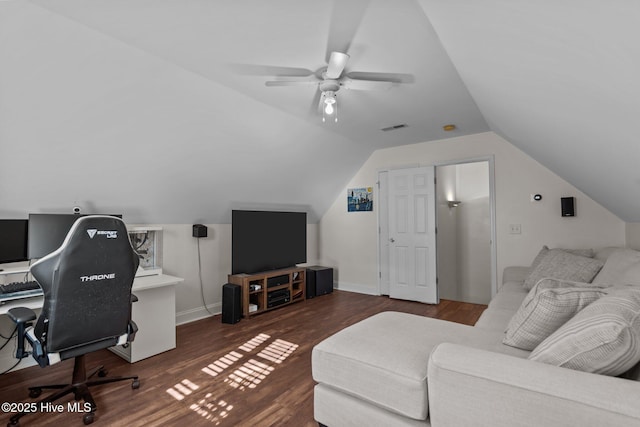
<point>549,305</point>
<point>603,338</point>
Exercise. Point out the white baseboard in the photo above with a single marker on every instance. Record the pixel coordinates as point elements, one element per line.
<point>194,314</point>
<point>356,287</point>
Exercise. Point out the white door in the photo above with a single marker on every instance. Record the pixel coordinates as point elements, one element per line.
<point>412,235</point>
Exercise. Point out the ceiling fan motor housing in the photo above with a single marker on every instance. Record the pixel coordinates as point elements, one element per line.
<point>329,86</point>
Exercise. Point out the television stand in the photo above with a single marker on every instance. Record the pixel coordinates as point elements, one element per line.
<point>270,289</point>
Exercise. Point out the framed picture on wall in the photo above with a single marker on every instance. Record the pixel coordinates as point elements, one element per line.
<point>360,199</point>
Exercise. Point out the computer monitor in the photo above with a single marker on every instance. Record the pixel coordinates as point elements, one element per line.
<point>48,231</point>
<point>13,240</point>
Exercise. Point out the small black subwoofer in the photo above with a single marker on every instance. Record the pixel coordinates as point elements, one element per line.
<point>319,281</point>
<point>231,303</point>
<point>568,206</point>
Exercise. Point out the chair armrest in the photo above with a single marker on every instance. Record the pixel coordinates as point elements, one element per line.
<point>21,315</point>
<point>477,387</point>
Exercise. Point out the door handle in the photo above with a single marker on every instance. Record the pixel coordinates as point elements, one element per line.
<point>392,240</point>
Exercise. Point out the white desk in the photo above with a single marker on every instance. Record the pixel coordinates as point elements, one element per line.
<point>154,313</point>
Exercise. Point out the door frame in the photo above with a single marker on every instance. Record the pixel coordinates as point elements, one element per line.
<point>383,216</point>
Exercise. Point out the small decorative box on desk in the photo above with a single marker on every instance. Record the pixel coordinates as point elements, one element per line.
<point>270,289</point>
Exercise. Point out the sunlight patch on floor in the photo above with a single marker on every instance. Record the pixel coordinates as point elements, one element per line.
<point>182,389</point>
<point>213,410</point>
<point>222,363</point>
<point>249,375</point>
<point>278,351</point>
<point>245,377</point>
<point>254,342</point>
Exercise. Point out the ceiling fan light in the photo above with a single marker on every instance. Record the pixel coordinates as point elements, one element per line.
<point>328,108</point>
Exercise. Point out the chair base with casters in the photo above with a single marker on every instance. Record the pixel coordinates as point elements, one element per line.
<point>80,381</point>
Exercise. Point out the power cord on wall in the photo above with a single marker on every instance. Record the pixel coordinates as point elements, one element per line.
<point>200,278</point>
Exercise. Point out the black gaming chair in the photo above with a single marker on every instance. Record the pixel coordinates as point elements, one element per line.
<point>87,306</point>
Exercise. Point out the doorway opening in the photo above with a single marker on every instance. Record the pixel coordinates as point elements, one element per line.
<point>465,238</point>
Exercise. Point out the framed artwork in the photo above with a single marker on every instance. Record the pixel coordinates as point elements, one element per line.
<point>360,199</point>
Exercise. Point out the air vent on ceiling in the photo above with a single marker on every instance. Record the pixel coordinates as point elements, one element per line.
<point>394,127</point>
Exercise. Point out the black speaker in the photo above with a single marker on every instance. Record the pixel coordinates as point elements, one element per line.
<point>231,303</point>
<point>568,206</point>
<point>319,281</point>
<point>199,230</point>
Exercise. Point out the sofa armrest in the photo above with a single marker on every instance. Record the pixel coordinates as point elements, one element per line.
<point>515,273</point>
<point>468,386</point>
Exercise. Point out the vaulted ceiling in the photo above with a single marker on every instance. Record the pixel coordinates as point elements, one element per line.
<point>158,109</point>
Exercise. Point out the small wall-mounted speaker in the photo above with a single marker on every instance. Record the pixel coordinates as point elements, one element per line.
<point>199,230</point>
<point>568,206</point>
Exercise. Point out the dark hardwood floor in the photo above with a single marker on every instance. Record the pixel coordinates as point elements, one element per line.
<point>254,373</point>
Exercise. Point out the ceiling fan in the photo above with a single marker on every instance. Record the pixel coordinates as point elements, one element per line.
<point>346,18</point>
<point>332,78</point>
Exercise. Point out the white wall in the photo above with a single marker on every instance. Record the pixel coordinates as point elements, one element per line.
<point>474,250</point>
<point>348,241</point>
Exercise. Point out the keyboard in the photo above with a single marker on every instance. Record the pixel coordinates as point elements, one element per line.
<point>17,290</point>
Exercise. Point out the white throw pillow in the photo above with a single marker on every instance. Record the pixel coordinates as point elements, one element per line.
<point>560,264</point>
<point>589,253</point>
<point>549,305</point>
<point>616,265</point>
<point>603,338</point>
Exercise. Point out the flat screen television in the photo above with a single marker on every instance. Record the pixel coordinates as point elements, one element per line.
<point>48,231</point>
<point>13,240</point>
<point>267,240</point>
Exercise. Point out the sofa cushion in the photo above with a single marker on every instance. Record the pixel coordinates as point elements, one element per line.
<point>589,253</point>
<point>560,264</point>
<point>603,338</point>
<point>549,305</point>
<point>383,359</point>
<point>616,265</point>
<point>604,253</point>
<point>631,276</point>
<point>510,297</point>
<point>495,319</point>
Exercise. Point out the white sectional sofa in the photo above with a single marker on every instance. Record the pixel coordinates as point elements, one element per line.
<point>398,369</point>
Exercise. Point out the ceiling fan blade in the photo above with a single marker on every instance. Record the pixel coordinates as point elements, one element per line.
<point>316,103</point>
<point>268,70</point>
<point>381,77</point>
<point>273,83</point>
<point>353,84</point>
<point>337,62</point>
<point>345,20</point>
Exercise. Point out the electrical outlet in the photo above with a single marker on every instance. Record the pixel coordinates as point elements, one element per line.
<point>515,229</point>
